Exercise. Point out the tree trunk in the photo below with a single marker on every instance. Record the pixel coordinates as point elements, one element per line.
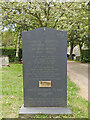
<point>71,51</point>
<point>81,56</point>
<point>18,43</point>
<point>80,47</point>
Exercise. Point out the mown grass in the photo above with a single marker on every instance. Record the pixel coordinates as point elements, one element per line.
<point>79,61</point>
<point>12,90</point>
<point>12,95</point>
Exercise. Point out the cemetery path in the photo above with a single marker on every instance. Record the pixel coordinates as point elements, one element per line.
<point>78,73</point>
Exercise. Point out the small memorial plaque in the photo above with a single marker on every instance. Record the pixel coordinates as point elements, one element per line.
<point>44,83</point>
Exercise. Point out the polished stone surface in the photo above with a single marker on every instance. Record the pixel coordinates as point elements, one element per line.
<point>45,59</point>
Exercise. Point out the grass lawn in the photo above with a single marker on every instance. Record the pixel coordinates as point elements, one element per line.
<point>12,95</point>
<point>79,61</point>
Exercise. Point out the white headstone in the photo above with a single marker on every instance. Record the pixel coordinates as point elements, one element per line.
<point>5,60</point>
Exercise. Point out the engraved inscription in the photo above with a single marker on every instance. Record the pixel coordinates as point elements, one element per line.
<point>44,66</point>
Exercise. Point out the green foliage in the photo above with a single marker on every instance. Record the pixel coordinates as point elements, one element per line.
<point>85,56</point>
<point>69,16</point>
<point>10,52</point>
<point>8,38</point>
<point>59,15</point>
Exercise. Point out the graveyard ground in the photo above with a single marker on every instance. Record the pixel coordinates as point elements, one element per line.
<point>78,73</point>
<point>12,95</point>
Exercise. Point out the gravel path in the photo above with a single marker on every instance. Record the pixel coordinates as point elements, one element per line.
<point>78,73</point>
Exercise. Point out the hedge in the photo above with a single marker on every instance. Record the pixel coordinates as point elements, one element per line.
<point>85,56</point>
<point>11,53</point>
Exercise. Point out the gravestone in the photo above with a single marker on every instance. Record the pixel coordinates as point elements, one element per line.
<point>45,72</point>
<point>5,60</point>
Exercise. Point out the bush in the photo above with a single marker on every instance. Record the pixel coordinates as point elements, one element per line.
<point>11,53</point>
<point>85,56</point>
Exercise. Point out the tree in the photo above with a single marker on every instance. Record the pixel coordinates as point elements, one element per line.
<point>8,38</point>
<point>72,38</point>
<point>80,27</point>
<point>30,15</point>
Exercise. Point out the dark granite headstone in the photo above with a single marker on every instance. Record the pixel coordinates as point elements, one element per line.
<point>44,71</point>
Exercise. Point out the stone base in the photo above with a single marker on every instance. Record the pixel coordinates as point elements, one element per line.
<point>44,110</point>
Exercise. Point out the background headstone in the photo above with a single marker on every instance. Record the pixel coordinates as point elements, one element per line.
<point>5,60</point>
